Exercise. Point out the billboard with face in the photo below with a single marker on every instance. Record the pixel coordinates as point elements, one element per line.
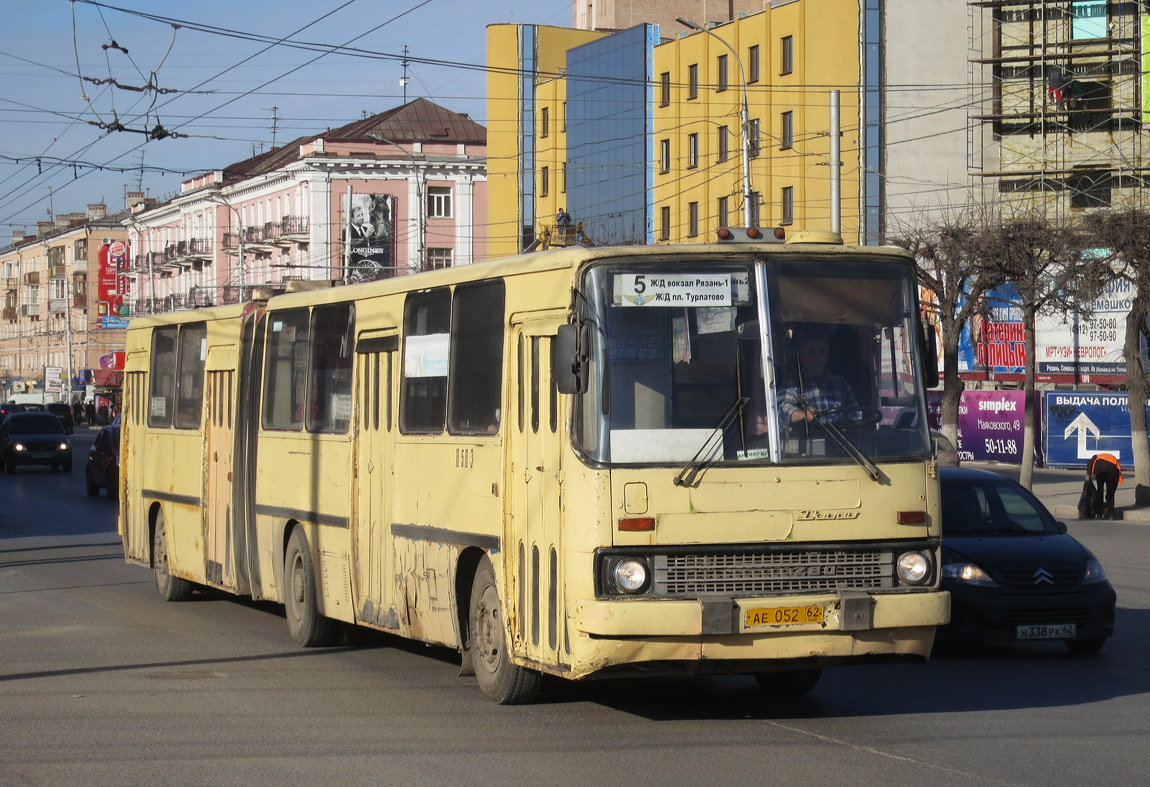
<point>370,233</point>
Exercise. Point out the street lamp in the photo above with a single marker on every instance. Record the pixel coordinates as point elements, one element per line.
<point>218,199</point>
<point>744,122</point>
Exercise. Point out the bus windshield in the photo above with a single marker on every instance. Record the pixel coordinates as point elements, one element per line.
<point>806,360</point>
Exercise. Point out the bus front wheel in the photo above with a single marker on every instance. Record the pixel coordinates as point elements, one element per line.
<point>307,626</point>
<point>499,679</point>
<point>172,588</point>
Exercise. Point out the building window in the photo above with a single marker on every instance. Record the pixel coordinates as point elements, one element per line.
<point>438,258</point>
<point>664,223</point>
<point>692,219</point>
<point>788,205</point>
<point>724,211</point>
<point>724,143</point>
<point>756,202</point>
<point>753,64</point>
<point>753,133</point>
<point>665,89</point>
<point>693,81</point>
<point>1090,189</point>
<point>788,55</point>
<point>545,122</point>
<point>722,73</point>
<point>1088,19</point>
<point>664,155</point>
<point>788,136</point>
<point>692,151</point>
<point>563,182</point>
<point>439,202</point>
<point>544,182</point>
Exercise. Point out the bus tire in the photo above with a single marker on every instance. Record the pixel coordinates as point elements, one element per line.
<point>500,680</point>
<point>788,684</point>
<point>172,588</point>
<point>308,628</point>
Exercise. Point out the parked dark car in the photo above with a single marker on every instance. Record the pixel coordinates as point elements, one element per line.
<point>1013,572</point>
<point>34,438</point>
<point>103,468</point>
<point>64,413</point>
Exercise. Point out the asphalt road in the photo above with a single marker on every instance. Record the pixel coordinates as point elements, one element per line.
<point>102,683</point>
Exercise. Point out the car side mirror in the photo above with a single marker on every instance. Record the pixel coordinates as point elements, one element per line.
<point>568,363</point>
<point>1061,525</point>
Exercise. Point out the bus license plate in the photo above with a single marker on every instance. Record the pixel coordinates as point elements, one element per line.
<point>784,616</point>
<point>1055,631</point>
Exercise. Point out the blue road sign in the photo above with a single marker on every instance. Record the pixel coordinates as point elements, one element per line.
<point>1079,424</point>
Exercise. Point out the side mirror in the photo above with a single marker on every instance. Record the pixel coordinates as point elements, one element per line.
<point>929,349</point>
<point>568,364</point>
<point>1061,525</point>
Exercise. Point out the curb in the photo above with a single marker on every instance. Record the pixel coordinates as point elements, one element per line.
<point>1139,516</point>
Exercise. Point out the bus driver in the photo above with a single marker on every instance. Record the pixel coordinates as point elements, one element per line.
<point>808,388</point>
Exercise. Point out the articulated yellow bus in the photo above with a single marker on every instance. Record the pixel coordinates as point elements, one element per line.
<point>581,462</point>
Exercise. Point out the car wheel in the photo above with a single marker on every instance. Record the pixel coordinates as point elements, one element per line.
<point>788,684</point>
<point>1085,646</point>
<point>89,484</point>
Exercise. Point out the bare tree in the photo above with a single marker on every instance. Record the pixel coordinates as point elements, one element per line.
<point>946,268</point>
<point>1049,274</point>
<point>1125,235</point>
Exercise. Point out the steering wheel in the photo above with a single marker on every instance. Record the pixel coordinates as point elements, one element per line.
<point>855,417</point>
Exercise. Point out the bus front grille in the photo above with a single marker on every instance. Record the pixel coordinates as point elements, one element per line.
<point>761,573</point>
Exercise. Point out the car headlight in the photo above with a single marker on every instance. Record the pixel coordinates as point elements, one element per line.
<point>62,447</point>
<point>630,575</point>
<point>1094,572</point>
<point>913,568</point>
<point>18,447</point>
<point>967,574</point>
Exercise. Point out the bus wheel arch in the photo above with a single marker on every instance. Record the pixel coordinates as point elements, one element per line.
<point>305,623</point>
<point>489,644</point>
<point>465,569</point>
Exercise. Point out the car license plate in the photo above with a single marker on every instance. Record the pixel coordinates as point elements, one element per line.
<point>1051,631</point>
<point>40,454</point>
<point>784,616</point>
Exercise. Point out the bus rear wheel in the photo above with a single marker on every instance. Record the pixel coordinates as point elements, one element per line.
<point>499,679</point>
<point>788,684</point>
<point>308,628</point>
<point>172,588</point>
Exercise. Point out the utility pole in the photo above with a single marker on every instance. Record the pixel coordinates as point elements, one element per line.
<point>403,81</point>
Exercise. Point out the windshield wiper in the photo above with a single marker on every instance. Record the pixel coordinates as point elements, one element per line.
<point>847,446</point>
<point>711,448</point>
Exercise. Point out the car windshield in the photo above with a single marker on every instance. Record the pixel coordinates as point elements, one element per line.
<point>35,424</point>
<point>808,359</point>
<point>992,507</point>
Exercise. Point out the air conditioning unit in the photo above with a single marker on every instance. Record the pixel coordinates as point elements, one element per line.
<point>106,241</point>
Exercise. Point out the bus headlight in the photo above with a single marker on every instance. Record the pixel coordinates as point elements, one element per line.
<point>630,575</point>
<point>913,568</point>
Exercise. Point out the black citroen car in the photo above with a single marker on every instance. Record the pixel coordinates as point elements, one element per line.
<point>1013,573</point>
<point>34,438</point>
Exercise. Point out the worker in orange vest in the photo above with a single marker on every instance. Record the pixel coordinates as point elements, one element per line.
<point>1106,473</point>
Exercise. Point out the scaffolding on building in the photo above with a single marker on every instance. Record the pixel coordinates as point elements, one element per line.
<point>1055,120</point>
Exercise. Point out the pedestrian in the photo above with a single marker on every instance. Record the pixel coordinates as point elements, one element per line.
<point>1106,472</point>
<point>77,412</point>
<point>90,413</point>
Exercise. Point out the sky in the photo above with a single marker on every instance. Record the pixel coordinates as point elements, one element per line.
<point>85,83</point>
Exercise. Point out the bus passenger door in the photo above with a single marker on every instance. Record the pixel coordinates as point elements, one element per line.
<point>371,534</point>
<point>219,560</point>
<point>531,531</point>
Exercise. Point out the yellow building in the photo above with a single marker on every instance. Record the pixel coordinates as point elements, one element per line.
<point>526,146</point>
<point>791,56</point>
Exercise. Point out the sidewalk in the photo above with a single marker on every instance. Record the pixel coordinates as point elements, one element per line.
<point>1059,491</point>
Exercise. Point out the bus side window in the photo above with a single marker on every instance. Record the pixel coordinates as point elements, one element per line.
<point>423,395</point>
<point>329,387</point>
<point>162,393</point>
<point>476,358</point>
<point>190,380</point>
<point>285,370</point>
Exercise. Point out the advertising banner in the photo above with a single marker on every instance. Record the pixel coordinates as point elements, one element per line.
<point>53,379</point>
<point>113,360</point>
<point>1076,345</point>
<point>994,340</point>
<point>113,322</point>
<point>111,287</point>
<point>990,424</point>
<point>1079,424</point>
<point>370,236</point>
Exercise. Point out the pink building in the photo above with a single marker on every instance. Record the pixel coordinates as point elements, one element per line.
<point>395,193</point>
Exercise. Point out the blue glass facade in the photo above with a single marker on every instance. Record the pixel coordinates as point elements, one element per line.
<point>873,220</point>
<point>610,172</point>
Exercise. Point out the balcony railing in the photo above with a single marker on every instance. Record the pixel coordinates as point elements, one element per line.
<point>231,241</point>
<point>79,301</point>
<point>294,225</point>
<point>9,312</point>
<point>58,271</point>
<point>30,309</point>
<point>200,247</point>
<point>32,277</point>
<point>10,283</point>
<point>57,305</point>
